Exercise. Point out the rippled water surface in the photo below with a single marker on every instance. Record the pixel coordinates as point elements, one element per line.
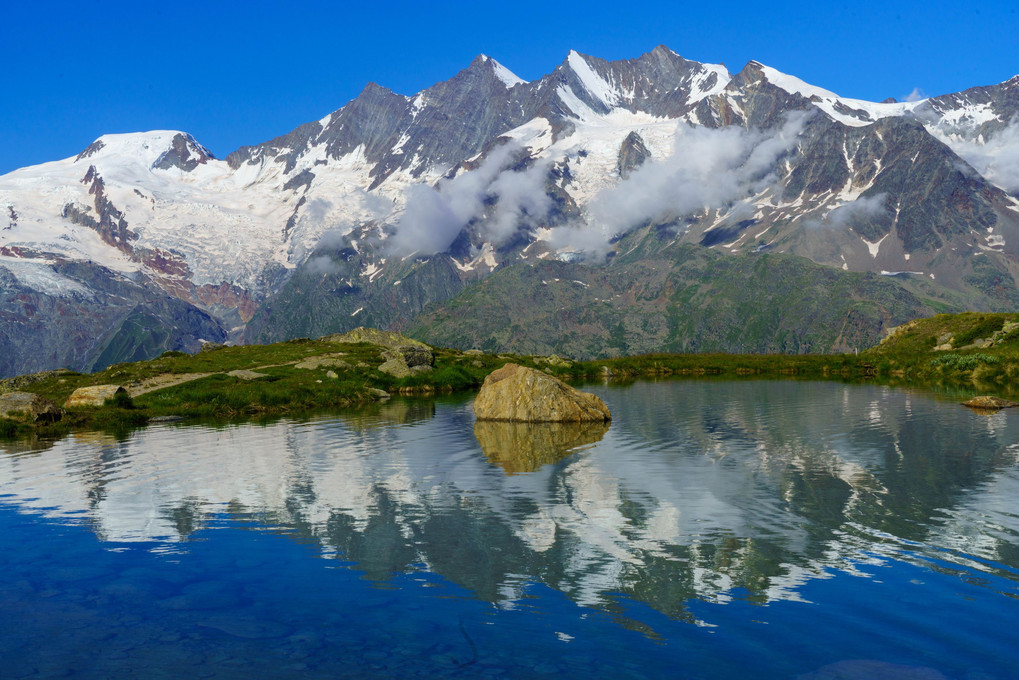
<point>715,530</point>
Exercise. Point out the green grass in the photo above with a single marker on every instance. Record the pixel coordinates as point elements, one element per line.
<point>908,357</point>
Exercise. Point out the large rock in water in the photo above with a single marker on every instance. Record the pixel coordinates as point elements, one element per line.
<point>29,406</point>
<point>521,394</point>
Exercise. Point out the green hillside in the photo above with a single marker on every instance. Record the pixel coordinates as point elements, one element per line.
<point>686,299</point>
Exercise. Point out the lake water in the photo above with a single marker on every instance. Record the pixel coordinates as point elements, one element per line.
<point>762,529</point>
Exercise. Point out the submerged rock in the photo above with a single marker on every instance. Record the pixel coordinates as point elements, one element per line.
<point>167,419</point>
<point>521,394</point>
<point>94,395</point>
<point>986,403</point>
<point>29,406</point>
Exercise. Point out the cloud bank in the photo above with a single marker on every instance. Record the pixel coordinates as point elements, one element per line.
<point>501,198</point>
<point>996,158</point>
<point>708,168</point>
<point>848,214</point>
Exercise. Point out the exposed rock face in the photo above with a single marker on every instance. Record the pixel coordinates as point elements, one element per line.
<point>525,447</point>
<point>184,153</point>
<point>632,154</point>
<point>30,406</point>
<point>91,317</point>
<point>521,394</point>
<point>95,395</point>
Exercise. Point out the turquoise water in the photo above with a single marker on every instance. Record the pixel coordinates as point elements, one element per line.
<point>715,530</point>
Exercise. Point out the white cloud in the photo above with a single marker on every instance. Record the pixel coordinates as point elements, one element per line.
<point>996,158</point>
<point>845,215</point>
<point>434,217</point>
<point>321,264</point>
<point>916,95</point>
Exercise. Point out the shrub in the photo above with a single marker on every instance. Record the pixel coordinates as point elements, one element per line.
<point>8,429</point>
<point>985,327</point>
<point>960,362</point>
<point>121,400</point>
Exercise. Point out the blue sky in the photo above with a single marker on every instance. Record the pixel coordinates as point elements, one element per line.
<point>241,73</point>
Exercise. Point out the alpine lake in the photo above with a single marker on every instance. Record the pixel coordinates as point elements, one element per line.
<point>715,529</point>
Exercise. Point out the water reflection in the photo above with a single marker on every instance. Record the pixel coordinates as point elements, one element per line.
<point>699,491</point>
<point>525,447</point>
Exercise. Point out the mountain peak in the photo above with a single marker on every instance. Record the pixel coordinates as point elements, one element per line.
<point>156,148</point>
<point>508,78</point>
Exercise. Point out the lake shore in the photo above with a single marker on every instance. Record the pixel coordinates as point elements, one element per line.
<point>971,353</point>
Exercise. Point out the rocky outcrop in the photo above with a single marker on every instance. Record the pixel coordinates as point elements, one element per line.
<point>632,154</point>
<point>184,154</point>
<point>209,346</point>
<point>20,381</point>
<point>94,395</point>
<point>521,394</point>
<point>374,336</point>
<point>30,407</point>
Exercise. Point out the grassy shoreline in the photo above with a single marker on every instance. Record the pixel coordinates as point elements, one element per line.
<point>981,355</point>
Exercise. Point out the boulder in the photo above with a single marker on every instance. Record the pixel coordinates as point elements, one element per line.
<point>407,360</point>
<point>521,394</point>
<point>94,395</point>
<point>245,374</point>
<point>28,406</point>
<point>985,403</point>
<point>395,366</point>
<point>416,356</point>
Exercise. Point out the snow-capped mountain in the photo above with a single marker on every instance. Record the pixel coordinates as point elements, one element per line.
<point>394,202</point>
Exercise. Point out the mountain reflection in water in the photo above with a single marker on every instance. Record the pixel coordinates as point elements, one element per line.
<point>699,491</point>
